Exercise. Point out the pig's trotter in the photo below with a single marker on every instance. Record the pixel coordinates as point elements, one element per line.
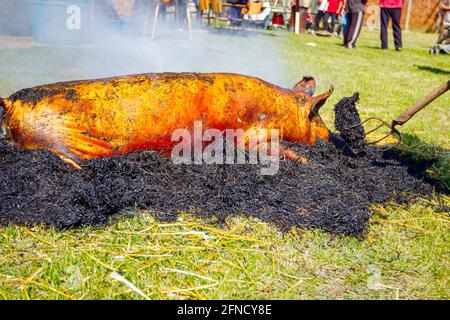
<point>288,154</point>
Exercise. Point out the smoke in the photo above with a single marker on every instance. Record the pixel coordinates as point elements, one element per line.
<point>69,48</point>
<point>205,53</point>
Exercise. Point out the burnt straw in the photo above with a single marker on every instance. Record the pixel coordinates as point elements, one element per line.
<point>334,191</point>
<point>348,122</point>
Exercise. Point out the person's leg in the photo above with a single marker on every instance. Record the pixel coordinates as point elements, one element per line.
<point>317,21</point>
<point>235,13</point>
<point>339,26</point>
<point>355,28</point>
<point>333,22</point>
<point>396,15</point>
<point>326,17</point>
<point>344,23</point>
<point>313,21</point>
<point>445,31</point>
<point>182,12</point>
<point>320,16</point>
<point>347,28</point>
<point>384,13</point>
<point>339,29</point>
<point>359,24</point>
<point>323,20</point>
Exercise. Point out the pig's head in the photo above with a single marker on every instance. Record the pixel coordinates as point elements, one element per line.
<point>306,87</point>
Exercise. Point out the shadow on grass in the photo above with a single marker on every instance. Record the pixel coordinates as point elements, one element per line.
<point>433,69</point>
<point>340,44</point>
<point>242,32</point>
<point>424,160</point>
<point>372,47</point>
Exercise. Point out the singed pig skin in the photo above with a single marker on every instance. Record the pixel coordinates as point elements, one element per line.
<point>100,118</point>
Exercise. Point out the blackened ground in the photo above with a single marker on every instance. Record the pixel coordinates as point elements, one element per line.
<point>333,192</point>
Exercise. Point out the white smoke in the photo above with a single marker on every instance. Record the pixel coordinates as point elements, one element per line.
<point>251,55</point>
<point>122,52</point>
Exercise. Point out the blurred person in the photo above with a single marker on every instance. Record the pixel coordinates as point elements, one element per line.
<point>445,30</point>
<point>305,9</point>
<point>235,13</point>
<point>321,10</point>
<point>391,9</point>
<point>257,11</point>
<point>334,9</point>
<point>342,21</point>
<point>309,23</point>
<point>313,9</point>
<point>355,10</point>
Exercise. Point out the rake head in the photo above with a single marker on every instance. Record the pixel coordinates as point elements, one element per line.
<point>382,123</point>
<point>404,117</point>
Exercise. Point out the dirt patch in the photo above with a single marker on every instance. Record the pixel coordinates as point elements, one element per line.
<point>334,191</point>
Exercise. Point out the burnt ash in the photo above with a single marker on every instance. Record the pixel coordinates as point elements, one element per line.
<point>333,192</point>
<point>348,122</point>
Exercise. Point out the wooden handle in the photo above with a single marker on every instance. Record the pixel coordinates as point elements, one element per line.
<point>409,113</point>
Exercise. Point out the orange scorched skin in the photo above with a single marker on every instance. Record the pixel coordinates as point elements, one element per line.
<point>99,118</point>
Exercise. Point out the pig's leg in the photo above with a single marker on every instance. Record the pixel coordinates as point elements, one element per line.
<point>283,152</point>
<point>67,157</point>
<point>267,146</point>
<point>289,154</point>
<point>76,147</point>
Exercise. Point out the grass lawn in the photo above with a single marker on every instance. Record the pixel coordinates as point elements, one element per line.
<point>405,254</point>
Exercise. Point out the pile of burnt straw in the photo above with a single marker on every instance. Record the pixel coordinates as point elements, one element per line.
<point>334,191</point>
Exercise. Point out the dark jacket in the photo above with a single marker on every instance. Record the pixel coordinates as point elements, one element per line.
<point>356,6</point>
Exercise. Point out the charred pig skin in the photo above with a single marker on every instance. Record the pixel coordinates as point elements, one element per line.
<point>100,118</point>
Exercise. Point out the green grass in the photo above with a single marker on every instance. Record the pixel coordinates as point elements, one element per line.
<point>405,254</point>
<point>388,81</point>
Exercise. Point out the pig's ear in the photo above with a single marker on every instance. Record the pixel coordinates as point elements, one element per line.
<point>319,101</point>
<point>2,106</point>
<point>5,105</point>
<point>306,85</point>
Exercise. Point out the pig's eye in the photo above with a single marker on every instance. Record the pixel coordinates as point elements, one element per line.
<point>261,116</point>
